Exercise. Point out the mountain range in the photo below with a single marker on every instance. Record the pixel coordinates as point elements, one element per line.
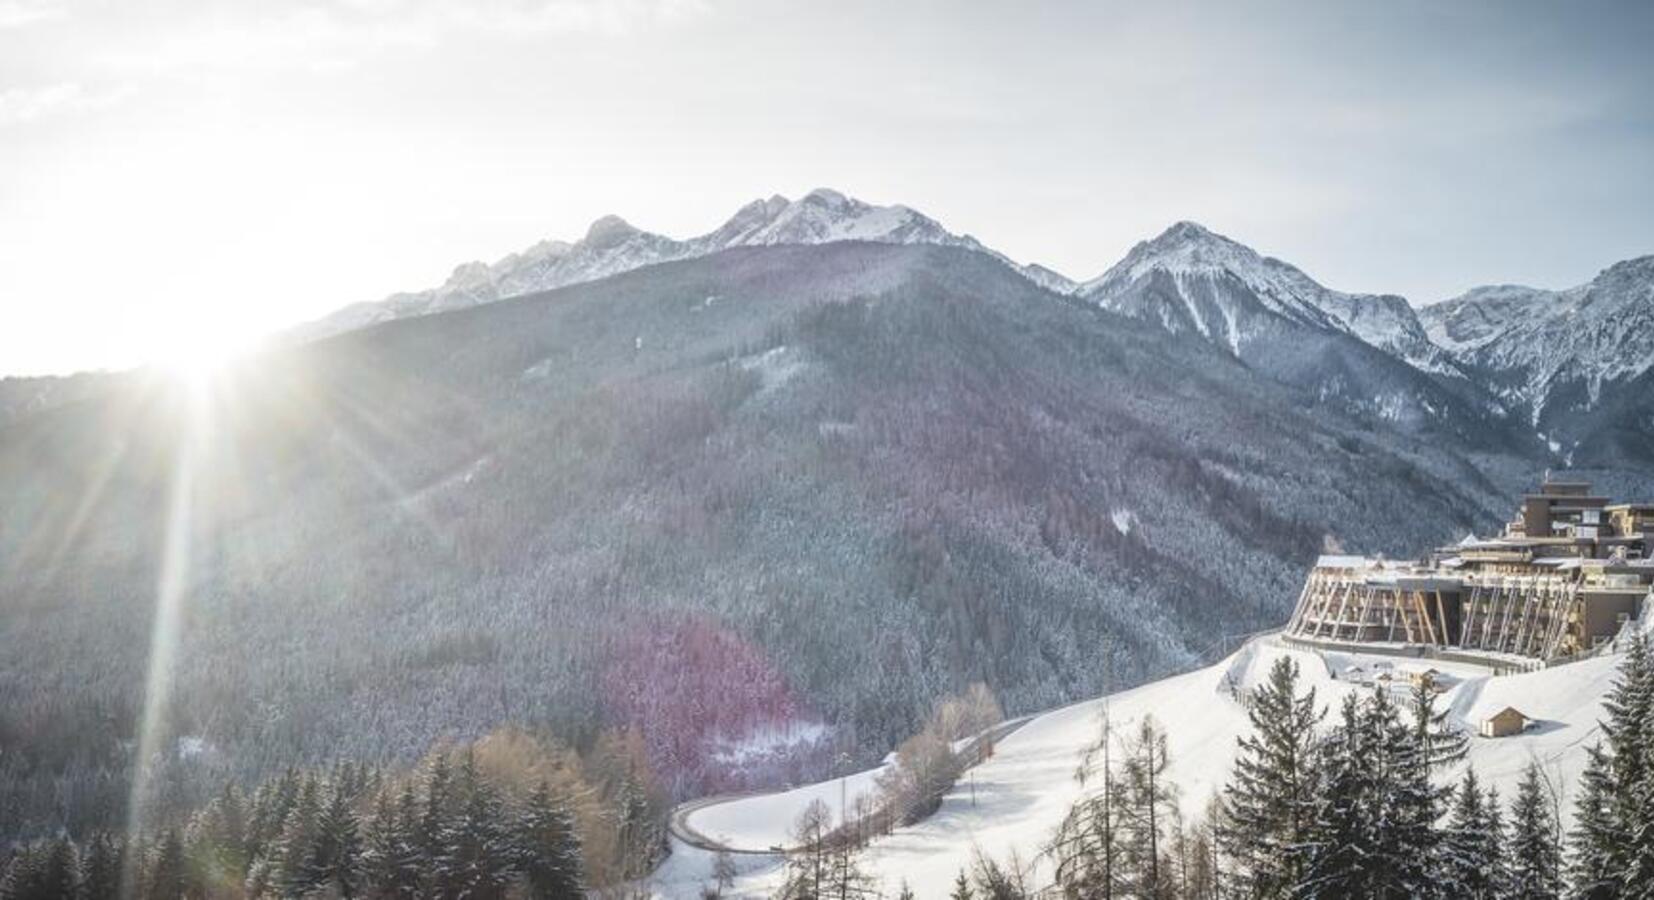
<point>1558,372</point>
<point>843,467</point>
<point>612,245</point>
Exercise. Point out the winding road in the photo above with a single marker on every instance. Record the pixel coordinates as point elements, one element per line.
<point>678,823</point>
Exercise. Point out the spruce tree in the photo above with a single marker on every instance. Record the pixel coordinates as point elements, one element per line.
<point>1535,852</point>
<point>1421,746</point>
<point>1339,837</point>
<point>334,860</point>
<point>100,868</point>
<point>1591,872</point>
<point>1499,877</point>
<point>439,802</point>
<point>548,850</point>
<point>962,888</point>
<point>476,857</point>
<point>1269,803</point>
<point>1630,707</point>
<point>1467,848</point>
<point>1367,840</point>
<point>167,877</point>
<point>390,855</point>
<point>293,872</point>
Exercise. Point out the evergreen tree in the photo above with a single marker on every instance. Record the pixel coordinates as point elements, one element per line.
<point>1341,834</point>
<point>1592,841</point>
<point>333,862</point>
<point>548,850</point>
<point>1425,744</point>
<point>962,888</point>
<point>100,868</point>
<point>476,856</point>
<point>1373,831</point>
<point>1499,878</point>
<point>1468,863</point>
<point>1269,805</point>
<point>439,784</point>
<point>1630,731</point>
<point>17,874</point>
<point>59,870</point>
<point>166,879</point>
<point>390,853</point>
<point>1535,852</point>
<point>293,871</point>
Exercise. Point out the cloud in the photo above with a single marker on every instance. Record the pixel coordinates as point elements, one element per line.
<point>18,13</point>
<point>342,33</point>
<point>22,105</point>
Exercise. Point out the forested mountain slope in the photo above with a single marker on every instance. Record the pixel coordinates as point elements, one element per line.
<point>792,490</point>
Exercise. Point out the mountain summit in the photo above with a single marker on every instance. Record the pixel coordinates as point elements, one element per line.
<point>1217,287</point>
<point>1578,362</point>
<point>612,245</point>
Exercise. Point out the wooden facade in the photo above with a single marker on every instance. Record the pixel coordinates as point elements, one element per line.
<point>1565,576</point>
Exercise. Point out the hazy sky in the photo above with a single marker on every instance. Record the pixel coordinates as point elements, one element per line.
<point>175,172</point>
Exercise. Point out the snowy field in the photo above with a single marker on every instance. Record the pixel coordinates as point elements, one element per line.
<point>1023,792</point>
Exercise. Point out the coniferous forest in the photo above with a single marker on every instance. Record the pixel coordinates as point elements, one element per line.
<point>508,816</point>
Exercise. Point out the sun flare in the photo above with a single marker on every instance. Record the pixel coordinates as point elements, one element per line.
<point>199,357</point>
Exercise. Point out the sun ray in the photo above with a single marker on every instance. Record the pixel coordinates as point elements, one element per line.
<point>171,593</point>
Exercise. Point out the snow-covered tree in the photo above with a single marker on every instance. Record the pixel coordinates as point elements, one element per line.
<point>548,848</point>
<point>1269,803</point>
<point>1535,848</point>
<point>476,856</point>
<point>1470,863</point>
<point>1592,842</point>
<point>334,861</point>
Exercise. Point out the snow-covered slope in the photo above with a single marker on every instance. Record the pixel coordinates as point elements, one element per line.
<point>1014,801</point>
<point>612,246</point>
<point>1223,290</point>
<point>1556,355</point>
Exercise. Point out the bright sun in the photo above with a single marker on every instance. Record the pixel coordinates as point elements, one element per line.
<point>198,356</point>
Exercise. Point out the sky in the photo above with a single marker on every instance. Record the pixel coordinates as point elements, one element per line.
<point>179,176</point>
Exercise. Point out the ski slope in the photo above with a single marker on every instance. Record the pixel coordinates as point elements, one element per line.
<point>1025,789</point>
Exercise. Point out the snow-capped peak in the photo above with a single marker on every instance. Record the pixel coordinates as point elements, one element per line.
<point>613,245</point>
<point>1556,352</point>
<point>1219,287</point>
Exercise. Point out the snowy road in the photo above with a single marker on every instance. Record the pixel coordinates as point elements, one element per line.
<point>726,834</point>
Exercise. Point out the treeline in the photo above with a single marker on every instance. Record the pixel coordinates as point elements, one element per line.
<point>508,817</point>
